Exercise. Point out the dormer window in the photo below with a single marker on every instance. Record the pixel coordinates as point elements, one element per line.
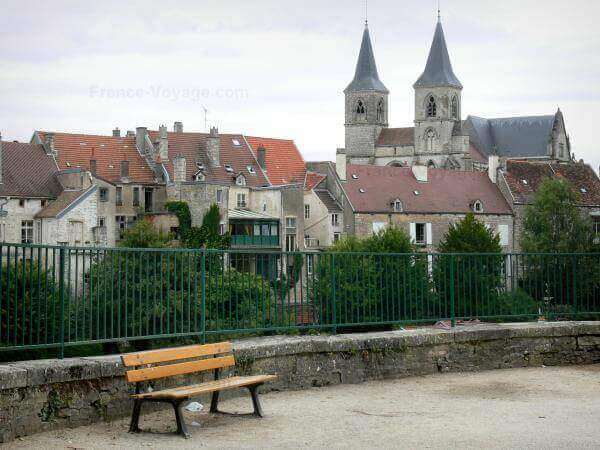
<point>200,166</point>
<point>362,190</point>
<point>524,182</point>
<point>199,176</point>
<point>583,190</point>
<point>250,169</point>
<point>397,205</point>
<point>240,180</point>
<point>236,142</point>
<point>354,176</point>
<point>228,168</point>
<point>431,107</point>
<point>477,206</point>
<point>124,169</point>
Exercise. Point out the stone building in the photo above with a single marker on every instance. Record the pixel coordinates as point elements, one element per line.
<point>519,180</point>
<point>440,138</point>
<point>424,202</point>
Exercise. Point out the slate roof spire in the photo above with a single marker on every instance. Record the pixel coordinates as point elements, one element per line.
<point>366,77</point>
<point>438,70</point>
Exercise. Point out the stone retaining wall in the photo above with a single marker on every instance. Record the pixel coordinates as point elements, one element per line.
<point>47,394</point>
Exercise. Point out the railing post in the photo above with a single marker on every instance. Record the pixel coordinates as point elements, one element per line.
<point>61,294</point>
<point>203,290</point>
<point>574,284</point>
<point>333,296</point>
<point>452,299</point>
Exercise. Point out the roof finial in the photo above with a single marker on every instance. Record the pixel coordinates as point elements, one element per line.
<point>366,13</point>
<point>439,15</point>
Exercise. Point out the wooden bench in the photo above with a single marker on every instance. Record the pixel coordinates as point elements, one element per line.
<point>156,364</point>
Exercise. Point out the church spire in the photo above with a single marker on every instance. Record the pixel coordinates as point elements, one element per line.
<point>438,70</point>
<point>366,77</point>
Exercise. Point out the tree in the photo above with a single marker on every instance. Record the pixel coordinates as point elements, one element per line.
<point>144,235</point>
<point>475,279</point>
<point>553,223</point>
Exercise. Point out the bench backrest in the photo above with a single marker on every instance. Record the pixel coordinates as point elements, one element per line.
<point>196,358</point>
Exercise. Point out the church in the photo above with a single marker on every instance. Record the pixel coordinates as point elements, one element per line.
<point>440,138</point>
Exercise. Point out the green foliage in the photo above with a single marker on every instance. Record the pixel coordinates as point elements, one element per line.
<point>552,223</point>
<point>144,235</point>
<point>373,287</point>
<point>470,236</point>
<point>182,211</point>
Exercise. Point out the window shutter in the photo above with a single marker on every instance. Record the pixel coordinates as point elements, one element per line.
<point>413,232</point>
<point>428,236</point>
<point>503,232</point>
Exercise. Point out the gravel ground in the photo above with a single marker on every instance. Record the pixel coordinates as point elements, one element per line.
<point>553,407</point>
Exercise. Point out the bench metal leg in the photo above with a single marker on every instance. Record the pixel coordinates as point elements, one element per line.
<point>181,426</point>
<point>214,402</point>
<point>135,417</point>
<point>255,401</point>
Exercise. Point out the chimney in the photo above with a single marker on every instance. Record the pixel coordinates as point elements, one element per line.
<point>340,163</point>
<point>420,172</point>
<point>261,156</point>
<point>140,139</point>
<point>179,169</point>
<point>49,144</point>
<point>493,165</point>
<point>163,145</point>
<point>178,127</point>
<point>116,132</point>
<point>213,147</point>
<point>130,133</point>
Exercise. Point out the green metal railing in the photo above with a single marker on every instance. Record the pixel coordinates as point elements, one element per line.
<point>54,296</point>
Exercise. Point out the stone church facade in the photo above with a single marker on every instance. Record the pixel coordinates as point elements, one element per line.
<point>440,138</point>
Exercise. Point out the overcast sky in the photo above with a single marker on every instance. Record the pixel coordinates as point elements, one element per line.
<point>278,68</point>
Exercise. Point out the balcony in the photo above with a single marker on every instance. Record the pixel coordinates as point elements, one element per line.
<point>311,242</point>
<point>254,241</point>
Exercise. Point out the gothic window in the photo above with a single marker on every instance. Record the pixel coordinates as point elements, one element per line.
<point>455,107</point>
<point>431,107</point>
<point>361,110</point>
<point>429,140</point>
<point>380,113</point>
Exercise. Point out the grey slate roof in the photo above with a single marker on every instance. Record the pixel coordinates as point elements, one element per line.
<point>511,136</point>
<point>438,70</point>
<point>366,77</point>
<point>328,200</point>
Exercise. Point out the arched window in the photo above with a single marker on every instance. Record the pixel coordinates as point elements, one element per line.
<point>429,140</point>
<point>397,205</point>
<point>455,107</point>
<point>240,180</point>
<point>477,206</point>
<point>380,112</point>
<point>431,107</point>
<point>361,109</point>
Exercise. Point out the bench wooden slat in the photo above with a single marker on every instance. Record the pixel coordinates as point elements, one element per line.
<point>173,354</point>
<point>203,388</point>
<point>152,373</point>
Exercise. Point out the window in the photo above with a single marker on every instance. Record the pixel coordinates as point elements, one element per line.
<point>361,110</point>
<point>429,140</point>
<point>103,194</point>
<point>121,224</point>
<point>454,107</point>
<point>43,202</point>
<point>503,232</point>
<point>290,242</point>
<point>596,224</point>
<point>136,196</point>
<point>431,107</point>
<point>397,205</point>
<point>199,176</point>
<point>264,207</point>
<point>241,200</point>
<point>219,196</point>
<point>250,169</point>
<point>378,226</point>
<point>380,111</point>
<point>309,264</point>
<point>75,232</point>
<point>431,164</point>
<point>2,231</point>
<point>27,231</point>
<point>477,206</point>
<point>228,168</point>
<point>335,220</point>
<point>124,169</point>
<point>22,203</point>
<point>93,166</point>
<point>221,228</point>
<point>119,196</point>
<point>240,180</point>
<point>420,233</point>
<point>148,199</point>
<point>101,221</point>
<point>307,211</point>
<point>290,224</point>
<point>38,231</point>
<point>336,237</point>
<point>236,142</point>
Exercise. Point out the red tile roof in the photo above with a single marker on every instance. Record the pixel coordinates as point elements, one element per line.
<point>396,137</point>
<point>76,150</point>
<point>524,178</point>
<point>28,172</point>
<point>447,191</point>
<point>313,179</point>
<point>192,146</point>
<point>284,162</point>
